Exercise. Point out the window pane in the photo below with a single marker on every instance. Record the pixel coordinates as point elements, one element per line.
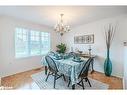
<point>21,42</point>
<point>34,43</point>
<point>45,40</point>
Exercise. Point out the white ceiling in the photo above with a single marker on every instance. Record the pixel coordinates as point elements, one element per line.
<point>73,15</point>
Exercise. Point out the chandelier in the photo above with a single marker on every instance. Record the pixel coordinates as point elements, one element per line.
<point>60,27</point>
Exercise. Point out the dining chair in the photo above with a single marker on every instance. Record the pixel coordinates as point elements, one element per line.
<point>83,75</point>
<point>51,53</point>
<point>53,70</point>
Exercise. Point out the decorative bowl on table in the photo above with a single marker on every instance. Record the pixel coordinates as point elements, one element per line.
<point>66,56</point>
<point>77,59</point>
<point>80,52</point>
<point>58,57</point>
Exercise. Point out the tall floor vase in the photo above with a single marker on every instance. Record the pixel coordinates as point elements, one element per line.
<point>108,65</point>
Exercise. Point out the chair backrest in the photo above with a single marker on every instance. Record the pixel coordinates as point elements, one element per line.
<point>51,53</point>
<point>51,64</point>
<point>85,69</point>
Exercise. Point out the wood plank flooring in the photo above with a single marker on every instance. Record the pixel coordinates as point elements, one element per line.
<point>23,80</point>
<point>113,82</point>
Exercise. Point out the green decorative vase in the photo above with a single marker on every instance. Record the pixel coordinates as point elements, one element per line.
<point>108,65</point>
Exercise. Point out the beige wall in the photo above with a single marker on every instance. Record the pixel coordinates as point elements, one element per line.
<point>99,48</point>
<point>8,63</point>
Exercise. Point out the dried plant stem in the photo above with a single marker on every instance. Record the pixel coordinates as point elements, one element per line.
<point>109,35</point>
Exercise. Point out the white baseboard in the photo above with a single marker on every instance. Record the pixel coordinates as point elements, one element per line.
<point>124,83</point>
<point>0,81</point>
<point>13,73</point>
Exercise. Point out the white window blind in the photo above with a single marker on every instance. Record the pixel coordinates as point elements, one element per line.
<point>30,42</point>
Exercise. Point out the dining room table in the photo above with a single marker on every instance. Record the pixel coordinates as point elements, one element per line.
<point>68,67</point>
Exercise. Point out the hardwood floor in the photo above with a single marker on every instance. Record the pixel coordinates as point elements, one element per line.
<point>113,82</point>
<point>24,81</point>
<point>21,80</point>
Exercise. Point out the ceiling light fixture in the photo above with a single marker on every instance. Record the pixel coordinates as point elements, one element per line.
<point>60,27</point>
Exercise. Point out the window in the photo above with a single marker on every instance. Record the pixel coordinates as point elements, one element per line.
<point>31,42</point>
<point>35,43</point>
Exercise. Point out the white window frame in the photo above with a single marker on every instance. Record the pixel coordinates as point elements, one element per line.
<point>29,41</point>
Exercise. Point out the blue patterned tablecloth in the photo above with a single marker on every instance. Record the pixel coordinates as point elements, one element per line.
<point>68,67</point>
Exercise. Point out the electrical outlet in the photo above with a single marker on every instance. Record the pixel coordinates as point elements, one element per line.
<point>125,43</point>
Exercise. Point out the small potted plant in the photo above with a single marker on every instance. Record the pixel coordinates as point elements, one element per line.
<point>61,48</point>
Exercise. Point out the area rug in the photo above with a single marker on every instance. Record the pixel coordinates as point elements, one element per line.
<point>39,79</point>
